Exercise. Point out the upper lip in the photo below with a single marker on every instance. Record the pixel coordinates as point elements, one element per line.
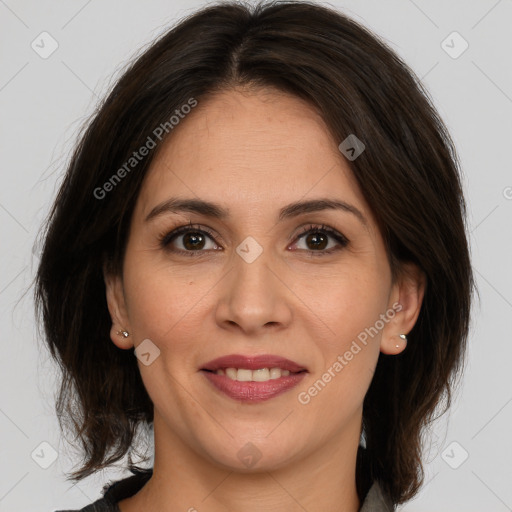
<point>254,362</point>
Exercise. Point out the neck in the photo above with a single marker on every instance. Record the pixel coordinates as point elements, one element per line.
<point>183,480</point>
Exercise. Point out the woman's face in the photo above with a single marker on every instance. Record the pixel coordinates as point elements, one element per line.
<point>257,280</point>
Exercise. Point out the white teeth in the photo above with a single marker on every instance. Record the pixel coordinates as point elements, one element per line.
<point>231,373</point>
<point>275,373</point>
<point>244,375</point>
<point>260,375</point>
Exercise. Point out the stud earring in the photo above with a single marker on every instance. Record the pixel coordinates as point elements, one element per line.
<point>123,333</point>
<point>403,337</point>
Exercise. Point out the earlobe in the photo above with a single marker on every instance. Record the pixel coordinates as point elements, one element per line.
<point>408,291</point>
<point>119,331</point>
<point>394,345</point>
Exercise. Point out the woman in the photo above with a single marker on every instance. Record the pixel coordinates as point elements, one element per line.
<point>266,212</point>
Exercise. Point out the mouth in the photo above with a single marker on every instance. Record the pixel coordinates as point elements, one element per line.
<point>258,375</point>
<point>253,378</point>
<point>266,366</point>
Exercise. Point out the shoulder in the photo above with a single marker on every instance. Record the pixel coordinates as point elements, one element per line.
<point>115,492</point>
<point>101,505</point>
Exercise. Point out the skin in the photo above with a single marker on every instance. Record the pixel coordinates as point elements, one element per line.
<point>254,152</point>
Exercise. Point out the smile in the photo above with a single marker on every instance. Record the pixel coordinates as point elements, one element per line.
<point>253,378</point>
<point>260,375</point>
<point>252,391</point>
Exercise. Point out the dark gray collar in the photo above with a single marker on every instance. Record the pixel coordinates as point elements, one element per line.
<point>376,500</point>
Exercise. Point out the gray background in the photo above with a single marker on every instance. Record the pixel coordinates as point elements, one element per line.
<point>43,103</point>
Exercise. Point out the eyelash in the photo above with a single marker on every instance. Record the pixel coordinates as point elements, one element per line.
<point>167,237</point>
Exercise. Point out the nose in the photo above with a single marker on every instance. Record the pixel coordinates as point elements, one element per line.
<point>253,297</point>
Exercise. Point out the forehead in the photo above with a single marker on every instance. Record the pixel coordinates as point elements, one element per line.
<point>256,149</point>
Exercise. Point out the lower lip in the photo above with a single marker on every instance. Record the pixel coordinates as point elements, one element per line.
<point>253,392</point>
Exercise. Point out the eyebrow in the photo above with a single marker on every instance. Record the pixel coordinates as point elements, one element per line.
<point>216,211</point>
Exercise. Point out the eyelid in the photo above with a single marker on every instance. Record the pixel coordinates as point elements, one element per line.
<point>340,238</point>
<point>167,237</point>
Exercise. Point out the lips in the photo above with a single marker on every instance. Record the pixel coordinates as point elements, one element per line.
<point>249,390</point>
<point>253,363</point>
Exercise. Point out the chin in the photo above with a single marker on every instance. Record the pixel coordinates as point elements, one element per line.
<point>251,454</point>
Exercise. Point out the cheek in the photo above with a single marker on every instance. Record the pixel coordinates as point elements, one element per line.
<point>162,300</point>
<point>348,303</point>
<point>348,356</point>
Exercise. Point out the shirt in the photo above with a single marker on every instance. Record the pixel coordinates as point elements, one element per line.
<point>376,500</point>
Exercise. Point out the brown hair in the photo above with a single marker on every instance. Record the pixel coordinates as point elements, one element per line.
<point>408,174</point>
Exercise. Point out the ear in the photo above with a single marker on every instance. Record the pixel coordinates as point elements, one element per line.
<point>406,298</point>
<point>117,309</point>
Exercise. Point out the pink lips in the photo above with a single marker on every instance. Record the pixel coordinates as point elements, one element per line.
<point>253,363</point>
<point>253,392</point>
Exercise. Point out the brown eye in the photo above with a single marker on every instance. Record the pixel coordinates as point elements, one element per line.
<point>317,240</point>
<point>189,240</point>
<point>193,241</point>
